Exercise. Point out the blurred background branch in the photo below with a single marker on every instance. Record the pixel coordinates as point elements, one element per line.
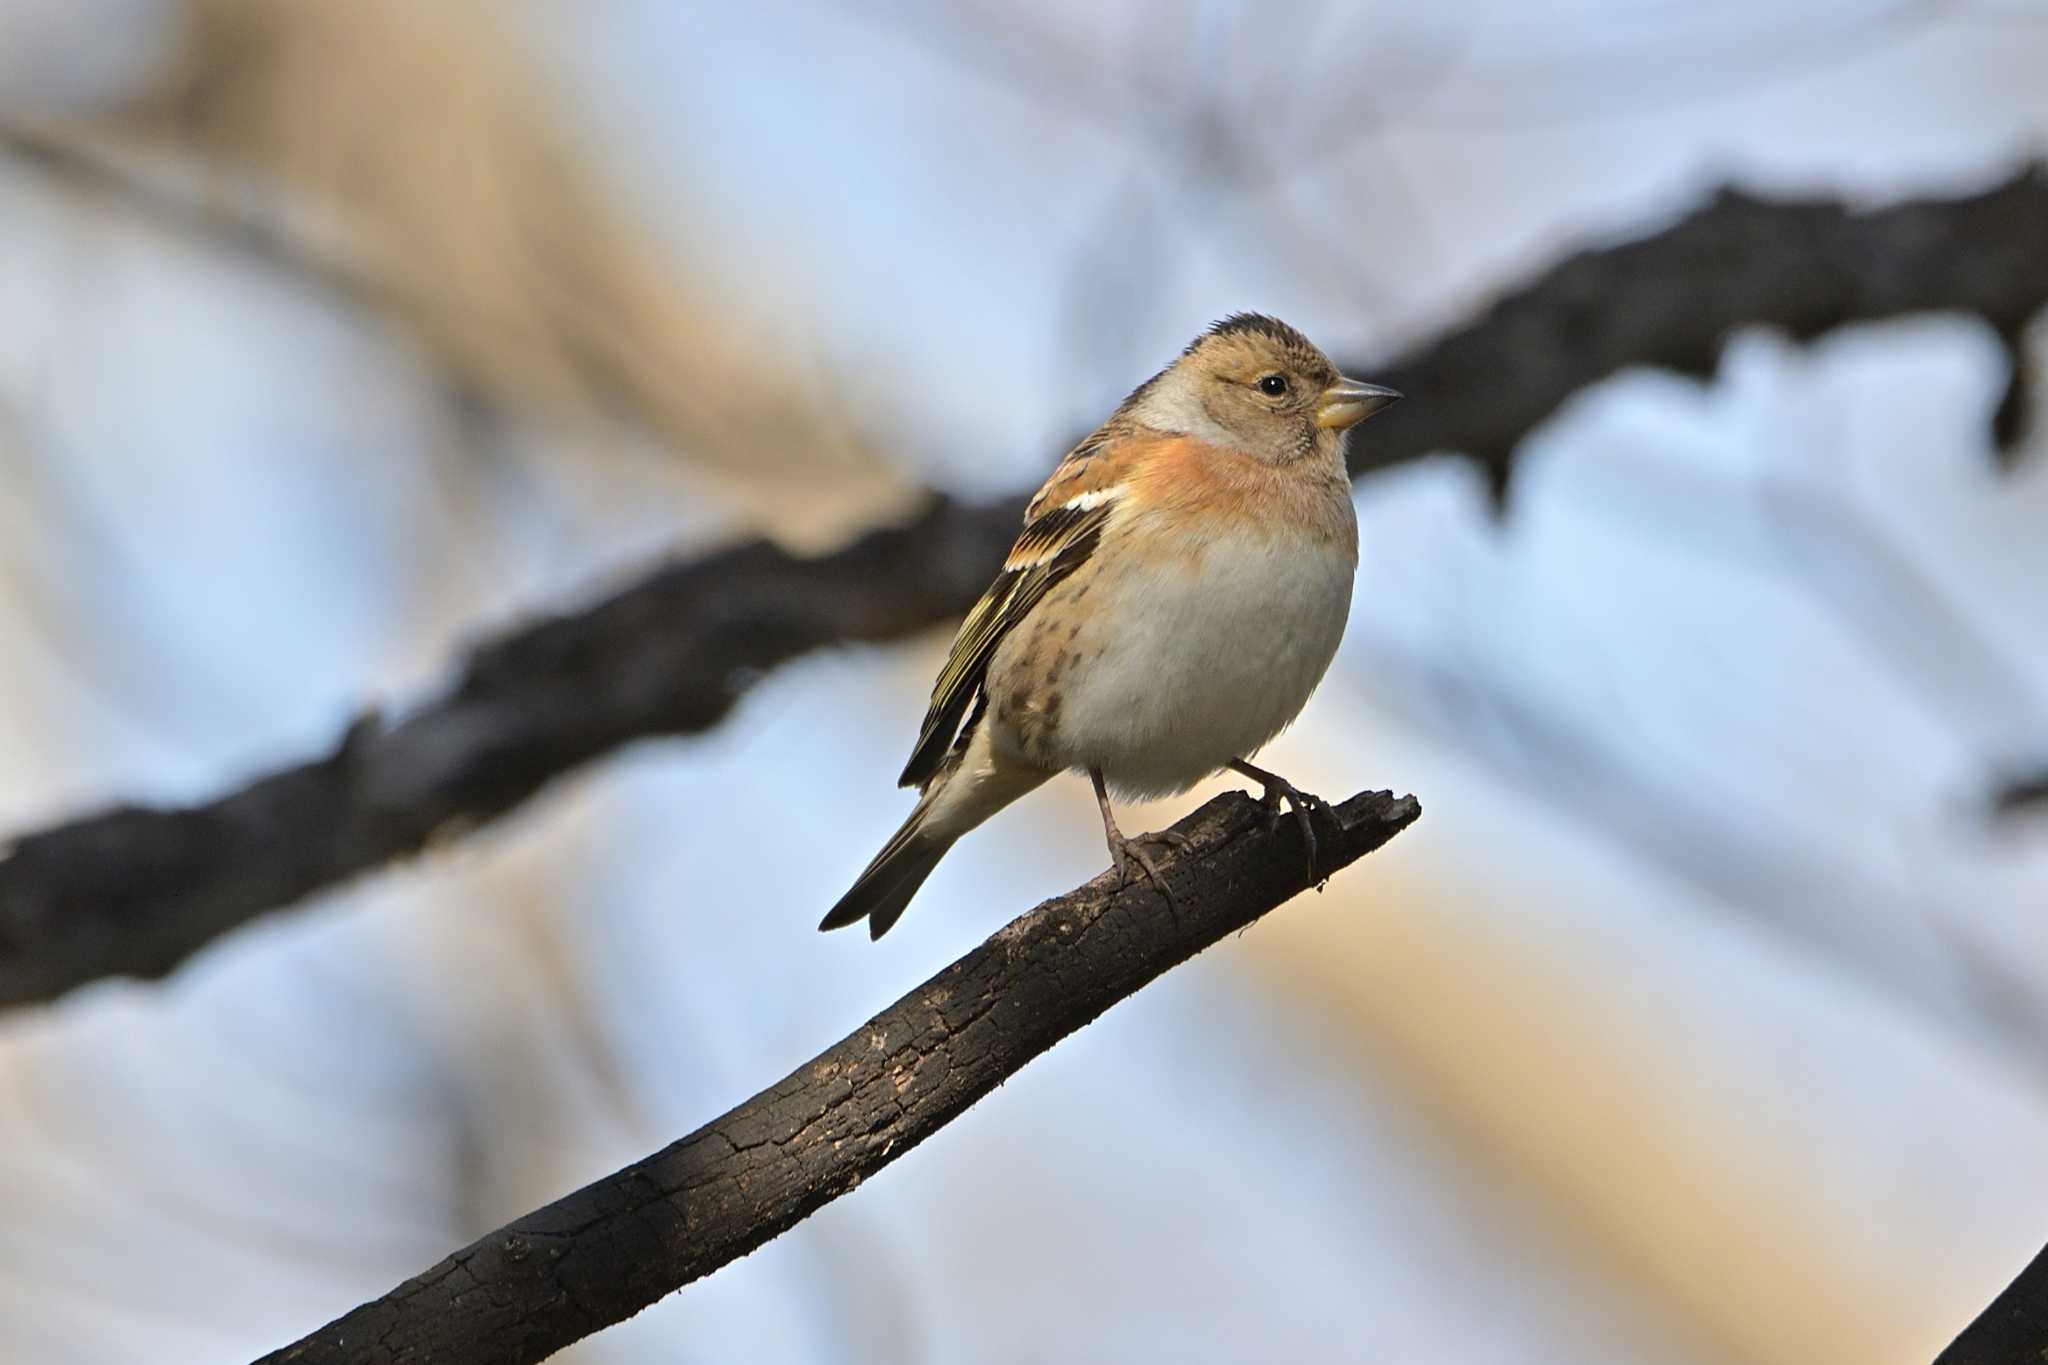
<point>138,890</point>
<point>2018,795</point>
<point>603,1253</point>
<point>1671,299</point>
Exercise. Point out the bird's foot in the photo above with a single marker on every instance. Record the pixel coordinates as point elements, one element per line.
<point>1130,852</point>
<point>1172,838</point>
<point>1278,790</point>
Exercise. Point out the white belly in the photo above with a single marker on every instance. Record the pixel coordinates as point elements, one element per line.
<point>1181,668</point>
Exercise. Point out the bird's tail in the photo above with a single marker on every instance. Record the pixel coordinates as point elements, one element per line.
<point>973,785</point>
<point>883,892</point>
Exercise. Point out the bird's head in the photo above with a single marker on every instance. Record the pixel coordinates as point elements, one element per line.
<point>1254,384</point>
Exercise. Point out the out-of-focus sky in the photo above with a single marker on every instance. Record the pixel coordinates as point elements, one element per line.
<point>1698,1020</point>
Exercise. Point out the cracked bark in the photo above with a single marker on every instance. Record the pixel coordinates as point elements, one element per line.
<point>603,1253</point>
<point>134,890</point>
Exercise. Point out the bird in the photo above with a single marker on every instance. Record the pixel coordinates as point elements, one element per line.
<point>1179,589</point>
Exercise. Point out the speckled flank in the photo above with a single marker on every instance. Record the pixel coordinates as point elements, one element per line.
<point>1231,637</point>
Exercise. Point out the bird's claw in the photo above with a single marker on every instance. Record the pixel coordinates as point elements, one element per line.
<point>1132,851</point>
<point>1172,838</point>
<point>1303,804</point>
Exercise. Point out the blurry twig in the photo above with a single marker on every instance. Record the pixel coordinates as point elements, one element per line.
<point>236,216</point>
<point>135,890</point>
<point>2020,795</point>
<point>1645,78</point>
<point>262,223</point>
<point>607,1251</point>
<point>1215,126</point>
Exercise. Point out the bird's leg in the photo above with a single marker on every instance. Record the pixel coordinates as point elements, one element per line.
<point>1278,789</point>
<point>1124,852</point>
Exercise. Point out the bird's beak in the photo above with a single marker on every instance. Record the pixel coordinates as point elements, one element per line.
<point>1348,402</point>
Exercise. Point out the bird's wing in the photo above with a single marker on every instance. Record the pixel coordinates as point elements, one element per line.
<point>1061,529</point>
<point>1096,466</point>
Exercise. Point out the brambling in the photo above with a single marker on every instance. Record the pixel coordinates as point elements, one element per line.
<point>1179,590</point>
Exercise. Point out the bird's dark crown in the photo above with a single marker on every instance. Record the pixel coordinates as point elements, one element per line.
<point>1239,323</point>
<point>1298,349</point>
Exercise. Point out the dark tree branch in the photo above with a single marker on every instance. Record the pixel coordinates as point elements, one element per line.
<point>607,1251</point>
<point>135,890</point>
<point>2013,1330</point>
<point>1670,300</point>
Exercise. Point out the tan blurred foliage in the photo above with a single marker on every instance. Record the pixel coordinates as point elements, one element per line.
<point>423,135</point>
<point>1531,1079</point>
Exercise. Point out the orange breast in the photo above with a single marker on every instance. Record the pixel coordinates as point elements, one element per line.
<point>1193,486</point>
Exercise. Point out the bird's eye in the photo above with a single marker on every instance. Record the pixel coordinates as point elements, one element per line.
<point>1273,385</point>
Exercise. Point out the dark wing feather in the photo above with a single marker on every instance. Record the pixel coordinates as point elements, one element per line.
<point>1052,546</point>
